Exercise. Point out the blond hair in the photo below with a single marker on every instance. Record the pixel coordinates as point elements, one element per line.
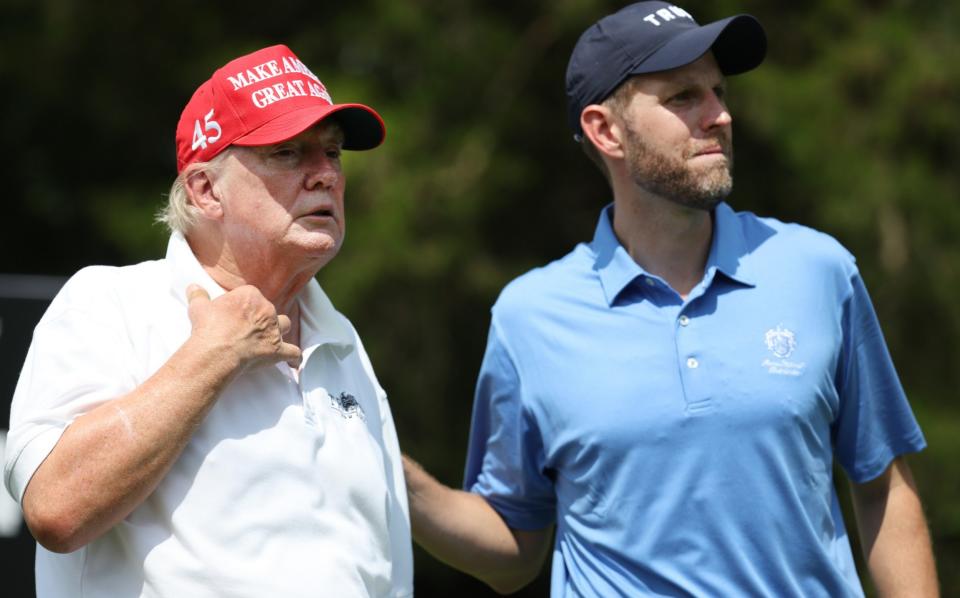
<point>179,214</point>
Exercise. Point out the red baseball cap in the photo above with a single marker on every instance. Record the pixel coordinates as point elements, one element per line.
<point>262,98</point>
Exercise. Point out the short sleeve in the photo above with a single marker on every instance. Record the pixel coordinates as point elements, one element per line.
<point>875,423</point>
<point>76,361</point>
<point>505,458</point>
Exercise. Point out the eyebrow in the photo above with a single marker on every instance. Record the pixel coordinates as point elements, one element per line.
<point>323,133</point>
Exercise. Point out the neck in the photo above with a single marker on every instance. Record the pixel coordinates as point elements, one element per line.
<point>277,286</point>
<point>664,238</point>
<point>280,286</point>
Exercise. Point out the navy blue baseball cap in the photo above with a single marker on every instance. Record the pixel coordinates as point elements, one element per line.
<point>648,37</point>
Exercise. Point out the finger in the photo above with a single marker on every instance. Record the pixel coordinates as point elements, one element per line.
<point>284,323</point>
<point>291,354</point>
<point>196,292</point>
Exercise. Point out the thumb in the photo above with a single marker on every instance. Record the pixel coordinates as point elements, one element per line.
<point>196,293</point>
<point>284,323</point>
<point>197,297</point>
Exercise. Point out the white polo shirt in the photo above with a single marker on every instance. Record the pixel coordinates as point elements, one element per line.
<point>289,488</point>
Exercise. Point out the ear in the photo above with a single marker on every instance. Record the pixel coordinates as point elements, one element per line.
<point>203,194</point>
<point>603,129</point>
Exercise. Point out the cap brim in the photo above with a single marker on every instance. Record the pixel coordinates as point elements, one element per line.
<point>738,43</point>
<point>363,128</point>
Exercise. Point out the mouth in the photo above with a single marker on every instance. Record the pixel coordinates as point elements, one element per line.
<point>710,151</point>
<point>320,213</point>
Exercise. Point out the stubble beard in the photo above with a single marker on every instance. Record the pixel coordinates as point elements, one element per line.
<point>675,180</point>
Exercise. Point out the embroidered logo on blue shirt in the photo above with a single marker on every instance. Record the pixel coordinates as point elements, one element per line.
<point>782,342</point>
<point>347,405</point>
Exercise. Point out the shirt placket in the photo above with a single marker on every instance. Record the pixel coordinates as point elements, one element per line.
<point>693,363</point>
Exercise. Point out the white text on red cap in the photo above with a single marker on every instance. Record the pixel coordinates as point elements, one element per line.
<point>292,88</point>
<point>268,70</point>
<point>262,98</point>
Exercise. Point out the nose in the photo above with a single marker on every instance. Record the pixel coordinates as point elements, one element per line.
<point>322,171</point>
<point>715,113</point>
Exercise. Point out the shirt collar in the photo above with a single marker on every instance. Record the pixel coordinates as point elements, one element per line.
<point>186,269</point>
<point>617,269</point>
<point>729,246</point>
<point>612,262</point>
<point>320,322</point>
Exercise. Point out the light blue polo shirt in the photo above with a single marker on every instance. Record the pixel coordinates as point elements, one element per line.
<point>686,448</point>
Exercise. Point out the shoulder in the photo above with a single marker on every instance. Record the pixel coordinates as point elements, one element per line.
<point>544,288</point>
<point>102,289</point>
<point>775,244</point>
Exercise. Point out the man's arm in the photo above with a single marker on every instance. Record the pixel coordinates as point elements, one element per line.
<point>464,531</point>
<point>893,532</point>
<point>111,458</point>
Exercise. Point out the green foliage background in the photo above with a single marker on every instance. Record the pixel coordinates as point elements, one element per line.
<point>850,126</point>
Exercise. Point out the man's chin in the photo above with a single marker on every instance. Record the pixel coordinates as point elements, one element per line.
<point>707,195</point>
<point>325,248</point>
<point>705,203</point>
<point>317,244</point>
<point>715,187</point>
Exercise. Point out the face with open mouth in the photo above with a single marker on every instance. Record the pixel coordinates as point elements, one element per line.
<point>284,202</point>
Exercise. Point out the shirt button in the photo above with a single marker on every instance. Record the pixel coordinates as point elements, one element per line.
<point>684,320</point>
<point>692,363</point>
<point>650,282</point>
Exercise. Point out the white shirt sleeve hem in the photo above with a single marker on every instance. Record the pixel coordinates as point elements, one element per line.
<point>22,466</point>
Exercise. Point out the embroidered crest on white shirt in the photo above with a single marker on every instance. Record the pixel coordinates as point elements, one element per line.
<point>347,405</point>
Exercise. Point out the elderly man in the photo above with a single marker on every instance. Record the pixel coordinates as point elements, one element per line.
<point>208,424</point>
<point>674,394</point>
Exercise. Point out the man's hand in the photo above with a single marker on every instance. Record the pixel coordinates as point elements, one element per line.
<point>464,531</point>
<point>244,323</point>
